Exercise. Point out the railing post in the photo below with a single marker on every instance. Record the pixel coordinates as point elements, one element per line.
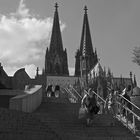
<point>121,112</point>
<point>134,124</point>
<point>102,107</point>
<point>126,118</point>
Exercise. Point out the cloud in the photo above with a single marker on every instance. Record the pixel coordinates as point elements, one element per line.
<point>21,11</point>
<point>24,38</point>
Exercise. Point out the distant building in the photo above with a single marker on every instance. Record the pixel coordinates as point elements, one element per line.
<point>20,79</point>
<point>5,80</point>
<point>97,75</point>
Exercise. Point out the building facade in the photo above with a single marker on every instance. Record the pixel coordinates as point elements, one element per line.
<point>86,57</point>
<point>56,62</point>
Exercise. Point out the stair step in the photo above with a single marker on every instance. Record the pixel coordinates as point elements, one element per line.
<point>58,119</point>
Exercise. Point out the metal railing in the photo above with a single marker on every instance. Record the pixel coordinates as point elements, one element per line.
<point>127,116</point>
<point>76,92</point>
<point>119,114</point>
<point>72,98</point>
<point>130,116</point>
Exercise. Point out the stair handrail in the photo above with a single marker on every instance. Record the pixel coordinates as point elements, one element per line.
<point>65,89</point>
<point>129,102</point>
<point>69,92</point>
<point>134,115</point>
<point>96,95</point>
<point>76,91</point>
<point>130,111</point>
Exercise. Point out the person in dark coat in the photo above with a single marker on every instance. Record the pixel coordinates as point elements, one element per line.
<point>89,101</point>
<point>126,95</point>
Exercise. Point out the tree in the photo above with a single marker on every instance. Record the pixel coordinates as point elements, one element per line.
<point>136,57</point>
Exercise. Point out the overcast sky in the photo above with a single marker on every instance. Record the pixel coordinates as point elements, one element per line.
<point>25,29</point>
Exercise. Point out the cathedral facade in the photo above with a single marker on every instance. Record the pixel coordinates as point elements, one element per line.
<point>56,62</point>
<point>86,57</point>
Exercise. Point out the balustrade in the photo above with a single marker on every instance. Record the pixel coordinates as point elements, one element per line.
<point>128,119</point>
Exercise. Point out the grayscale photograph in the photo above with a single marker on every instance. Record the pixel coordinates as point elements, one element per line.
<point>69,69</point>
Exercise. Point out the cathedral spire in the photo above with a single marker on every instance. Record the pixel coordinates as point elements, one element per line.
<point>86,42</point>
<point>86,58</point>
<point>85,8</point>
<point>56,58</point>
<point>56,6</point>
<point>135,82</point>
<point>56,39</point>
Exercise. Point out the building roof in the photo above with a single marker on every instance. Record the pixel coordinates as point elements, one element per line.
<point>96,70</point>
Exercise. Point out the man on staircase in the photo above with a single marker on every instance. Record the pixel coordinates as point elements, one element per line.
<point>90,103</point>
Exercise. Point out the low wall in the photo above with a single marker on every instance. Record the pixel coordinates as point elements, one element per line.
<point>29,101</point>
<point>11,92</point>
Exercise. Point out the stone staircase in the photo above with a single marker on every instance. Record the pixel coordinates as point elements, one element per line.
<point>57,119</point>
<point>62,117</point>
<point>16,125</point>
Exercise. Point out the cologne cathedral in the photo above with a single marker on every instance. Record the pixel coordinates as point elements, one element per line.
<point>56,62</point>
<point>56,57</point>
<point>86,58</point>
<point>86,51</point>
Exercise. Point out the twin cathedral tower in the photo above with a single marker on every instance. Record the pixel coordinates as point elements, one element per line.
<point>56,62</point>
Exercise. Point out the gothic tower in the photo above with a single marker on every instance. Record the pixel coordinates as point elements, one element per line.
<point>86,57</point>
<point>56,58</point>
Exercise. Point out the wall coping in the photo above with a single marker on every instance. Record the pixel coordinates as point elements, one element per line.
<point>28,92</point>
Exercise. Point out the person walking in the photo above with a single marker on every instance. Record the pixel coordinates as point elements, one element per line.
<point>89,101</point>
<point>126,94</point>
<point>110,105</point>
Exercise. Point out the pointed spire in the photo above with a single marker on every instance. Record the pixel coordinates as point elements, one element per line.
<point>109,72</point>
<point>56,39</point>
<point>37,71</point>
<point>95,51</point>
<point>56,6</point>
<point>86,42</point>
<point>85,8</point>
<point>104,71</point>
<point>135,82</point>
<point>84,52</point>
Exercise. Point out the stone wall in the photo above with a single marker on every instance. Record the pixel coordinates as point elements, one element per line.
<point>27,102</point>
<point>61,80</point>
